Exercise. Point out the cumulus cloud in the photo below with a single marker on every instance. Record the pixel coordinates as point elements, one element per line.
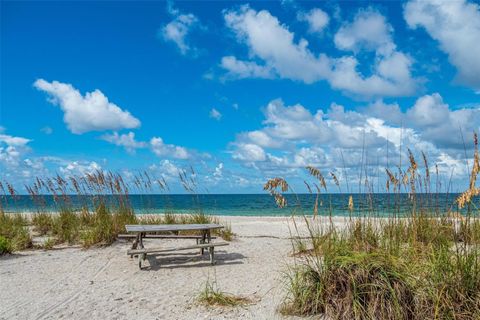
<point>12,149</point>
<point>456,27</point>
<point>369,30</point>
<point>178,30</point>
<point>270,41</point>
<point>294,137</point>
<point>13,141</point>
<point>156,145</point>
<point>126,141</point>
<point>162,149</point>
<point>316,18</point>
<point>441,125</point>
<point>249,152</point>
<point>79,168</point>
<point>91,112</point>
<point>282,56</point>
<point>215,114</point>
<point>245,69</point>
<point>167,169</point>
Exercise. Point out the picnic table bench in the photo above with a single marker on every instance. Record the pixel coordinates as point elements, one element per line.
<point>139,232</point>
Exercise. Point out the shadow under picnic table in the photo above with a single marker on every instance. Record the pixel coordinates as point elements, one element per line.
<point>191,260</point>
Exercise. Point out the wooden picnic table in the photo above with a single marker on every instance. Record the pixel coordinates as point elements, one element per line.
<point>203,241</point>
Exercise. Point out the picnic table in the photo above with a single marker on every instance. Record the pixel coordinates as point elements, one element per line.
<point>203,241</point>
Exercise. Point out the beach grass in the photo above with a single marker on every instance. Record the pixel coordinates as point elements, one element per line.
<point>104,210</point>
<point>424,264</point>
<point>14,229</point>
<point>211,295</point>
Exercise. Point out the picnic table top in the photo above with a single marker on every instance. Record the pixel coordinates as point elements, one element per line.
<point>170,227</point>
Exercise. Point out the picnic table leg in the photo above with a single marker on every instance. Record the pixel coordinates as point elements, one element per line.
<point>202,241</point>
<point>135,243</point>
<point>142,235</point>
<point>211,251</point>
<point>142,256</point>
<point>209,236</point>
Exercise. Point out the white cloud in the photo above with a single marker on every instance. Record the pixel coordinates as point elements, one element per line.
<point>317,19</point>
<point>292,136</point>
<point>168,170</point>
<point>92,112</point>
<point>178,29</point>
<point>429,110</point>
<point>456,26</point>
<point>12,149</point>
<point>249,152</point>
<point>79,168</point>
<point>368,31</point>
<point>13,141</point>
<point>218,172</point>
<point>10,156</point>
<point>261,139</point>
<point>245,69</point>
<point>438,123</point>
<point>47,130</point>
<point>168,150</point>
<point>271,42</point>
<point>215,114</point>
<point>124,140</point>
<point>156,145</point>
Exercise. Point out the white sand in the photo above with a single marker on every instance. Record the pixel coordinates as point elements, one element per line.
<point>104,283</point>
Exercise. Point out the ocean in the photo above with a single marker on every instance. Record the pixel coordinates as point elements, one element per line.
<point>251,204</point>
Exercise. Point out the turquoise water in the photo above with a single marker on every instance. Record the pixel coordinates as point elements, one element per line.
<point>250,204</point>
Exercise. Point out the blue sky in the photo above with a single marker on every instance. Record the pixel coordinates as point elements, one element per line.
<point>242,91</point>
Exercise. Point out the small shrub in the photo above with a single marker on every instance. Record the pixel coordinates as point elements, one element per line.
<point>103,229</point>
<point>66,226</point>
<point>212,296</point>
<point>42,222</point>
<point>13,227</point>
<point>5,246</point>
<point>226,232</point>
<point>352,286</point>
<point>48,244</point>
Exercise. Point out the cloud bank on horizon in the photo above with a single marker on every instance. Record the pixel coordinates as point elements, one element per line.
<point>293,86</point>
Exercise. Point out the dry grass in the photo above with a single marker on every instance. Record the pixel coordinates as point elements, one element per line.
<point>212,296</point>
<point>424,264</point>
<point>91,210</point>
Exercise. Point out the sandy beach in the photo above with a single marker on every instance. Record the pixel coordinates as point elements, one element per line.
<point>105,283</point>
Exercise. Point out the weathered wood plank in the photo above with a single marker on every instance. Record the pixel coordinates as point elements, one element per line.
<point>170,227</point>
<point>160,236</point>
<point>198,246</point>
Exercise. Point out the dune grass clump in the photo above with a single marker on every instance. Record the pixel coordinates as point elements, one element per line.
<point>105,226</point>
<point>90,210</point>
<point>14,228</point>
<point>420,264</point>
<point>66,226</point>
<point>43,222</point>
<point>212,296</point>
<point>355,285</point>
<point>48,244</point>
<point>5,246</point>
<point>226,232</point>
<point>381,272</point>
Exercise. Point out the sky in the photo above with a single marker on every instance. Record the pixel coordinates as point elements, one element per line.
<point>240,91</point>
